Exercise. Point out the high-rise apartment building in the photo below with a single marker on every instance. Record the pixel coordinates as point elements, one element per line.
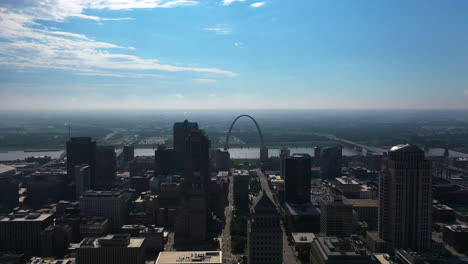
<point>265,237</point>
<point>297,177</point>
<point>405,199</point>
<point>81,150</point>
<point>113,205</point>
<point>330,163</point>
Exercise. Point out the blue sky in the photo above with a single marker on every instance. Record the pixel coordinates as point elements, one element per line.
<point>194,54</point>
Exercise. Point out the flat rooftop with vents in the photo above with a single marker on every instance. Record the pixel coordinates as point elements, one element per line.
<point>178,257</point>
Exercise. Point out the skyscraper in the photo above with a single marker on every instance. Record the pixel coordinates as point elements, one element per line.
<point>405,199</point>
<point>128,153</point>
<point>81,150</point>
<point>164,159</point>
<point>82,179</point>
<point>265,237</point>
<point>297,177</point>
<point>106,166</point>
<point>181,132</point>
<point>191,222</point>
<point>263,153</point>
<point>284,152</point>
<point>330,163</point>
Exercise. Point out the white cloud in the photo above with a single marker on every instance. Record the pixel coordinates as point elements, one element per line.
<point>258,4</point>
<point>220,30</point>
<point>204,81</point>
<point>239,44</point>
<point>228,2</point>
<point>179,96</point>
<point>24,43</point>
<point>212,95</point>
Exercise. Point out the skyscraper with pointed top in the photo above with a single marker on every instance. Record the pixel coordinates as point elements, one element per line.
<point>265,237</point>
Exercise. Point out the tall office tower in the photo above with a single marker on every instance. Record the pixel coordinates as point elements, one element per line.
<point>164,160</point>
<point>21,231</point>
<point>113,205</point>
<point>317,151</point>
<point>330,163</point>
<point>181,132</point>
<point>128,153</point>
<point>111,249</point>
<point>81,150</point>
<point>191,222</point>
<point>284,152</point>
<point>405,199</point>
<point>55,240</point>
<point>9,196</point>
<point>265,237</point>
<point>297,178</point>
<point>82,179</point>
<point>263,153</point>
<point>222,160</point>
<point>336,216</point>
<point>106,166</point>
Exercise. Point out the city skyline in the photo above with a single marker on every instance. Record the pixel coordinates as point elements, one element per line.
<point>190,54</point>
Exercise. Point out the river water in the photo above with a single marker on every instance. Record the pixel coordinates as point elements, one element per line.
<point>236,153</point>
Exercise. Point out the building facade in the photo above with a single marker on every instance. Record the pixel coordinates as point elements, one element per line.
<point>405,199</point>
<point>297,177</point>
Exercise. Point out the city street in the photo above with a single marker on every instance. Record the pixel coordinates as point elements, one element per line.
<point>288,253</point>
<point>226,234</point>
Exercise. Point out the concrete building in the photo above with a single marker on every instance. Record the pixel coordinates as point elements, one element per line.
<point>111,249</point>
<point>456,236</point>
<point>39,260</point>
<point>265,237</point>
<point>365,208</point>
<point>317,153</point>
<point>333,250</point>
<point>303,238</point>
<point>336,216</point>
<point>154,236</point>
<point>188,257</point>
<point>106,166</point>
<point>330,163</point>
<point>55,240</point>
<point>82,179</point>
<point>349,186</point>
<point>7,171</point>
<point>297,177</point>
<point>20,231</point>
<point>405,199</point>
<point>94,227</point>
<point>9,196</point>
<point>113,205</point>
<point>81,150</point>
<point>222,160</point>
<point>263,154</point>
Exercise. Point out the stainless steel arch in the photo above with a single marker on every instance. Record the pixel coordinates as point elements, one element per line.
<point>226,144</point>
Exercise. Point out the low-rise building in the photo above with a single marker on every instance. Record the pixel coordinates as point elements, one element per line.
<point>39,260</point>
<point>111,249</point>
<point>334,250</point>
<point>365,208</point>
<point>456,236</point>
<point>303,238</point>
<point>187,257</point>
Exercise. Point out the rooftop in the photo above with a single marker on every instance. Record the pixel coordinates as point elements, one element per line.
<point>333,246</point>
<point>301,209</point>
<point>458,228</point>
<point>303,238</point>
<point>26,216</point>
<point>364,202</point>
<point>176,257</point>
<point>346,180</point>
<point>4,169</point>
<point>406,148</point>
<point>39,260</point>
<point>116,240</point>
